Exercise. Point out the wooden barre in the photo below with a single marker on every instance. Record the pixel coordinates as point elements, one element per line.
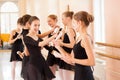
<point>108,55</point>
<point>107,44</point>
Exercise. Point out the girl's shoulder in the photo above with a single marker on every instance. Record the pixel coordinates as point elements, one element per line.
<point>86,39</point>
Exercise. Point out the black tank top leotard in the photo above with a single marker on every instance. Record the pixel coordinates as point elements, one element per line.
<point>62,64</point>
<point>82,72</point>
<point>16,46</point>
<point>51,59</point>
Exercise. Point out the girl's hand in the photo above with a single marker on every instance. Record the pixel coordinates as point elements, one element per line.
<point>68,59</point>
<point>60,42</point>
<point>19,37</point>
<point>21,54</point>
<point>56,44</point>
<point>56,54</point>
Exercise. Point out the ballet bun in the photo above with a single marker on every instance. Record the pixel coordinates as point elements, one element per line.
<point>90,18</point>
<point>84,16</point>
<point>69,14</point>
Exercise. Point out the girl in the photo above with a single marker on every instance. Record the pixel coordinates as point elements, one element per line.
<point>51,59</point>
<point>37,68</point>
<point>15,40</point>
<point>67,43</point>
<point>25,30</point>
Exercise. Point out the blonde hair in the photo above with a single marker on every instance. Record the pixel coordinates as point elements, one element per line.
<point>54,17</point>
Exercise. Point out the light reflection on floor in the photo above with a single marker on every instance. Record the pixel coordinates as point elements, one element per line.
<point>5,67</point>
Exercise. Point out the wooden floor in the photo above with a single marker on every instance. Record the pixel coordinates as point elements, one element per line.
<point>5,67</point>
<point>99,70</point>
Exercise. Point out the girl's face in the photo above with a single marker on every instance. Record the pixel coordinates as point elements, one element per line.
<point>64,20</point>
<point>19,26</point>
<point>76,25</point>
<point>51,22</point>
<point>28,25</point>
<point>35,26</point>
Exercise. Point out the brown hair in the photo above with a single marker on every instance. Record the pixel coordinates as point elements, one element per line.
<point>33,18</point>
<point>84,16</point>
<point>25,19</point>
<point>52,16</point>
<point>19,21</point>
<point>69,14</point>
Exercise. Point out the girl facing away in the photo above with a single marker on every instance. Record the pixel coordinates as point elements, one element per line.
<point>66,70</point>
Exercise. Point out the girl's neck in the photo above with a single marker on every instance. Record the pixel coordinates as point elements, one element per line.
<point>25,27</point>
<point>69,25</point>
<point>83,30</point>
<point>32,33</point>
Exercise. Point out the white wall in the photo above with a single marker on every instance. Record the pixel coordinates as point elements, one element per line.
<point>42,8</point>
<point>22,7</point>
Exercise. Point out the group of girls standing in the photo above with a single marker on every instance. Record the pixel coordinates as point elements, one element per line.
<point>68,55</point>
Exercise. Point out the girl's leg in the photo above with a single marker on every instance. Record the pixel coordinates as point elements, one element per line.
<point>19,67</point>
<point>53,69</point>
<point>68,75</point>
<point>61,74</point>
<point>13,69</point>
